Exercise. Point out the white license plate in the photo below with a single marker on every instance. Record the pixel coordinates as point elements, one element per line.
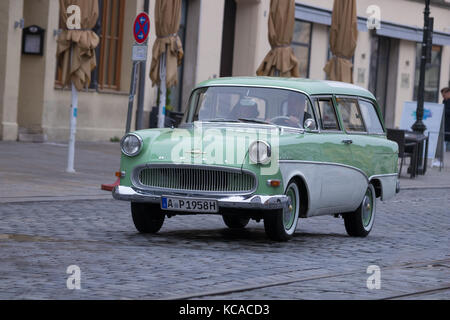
<point>189,205</point>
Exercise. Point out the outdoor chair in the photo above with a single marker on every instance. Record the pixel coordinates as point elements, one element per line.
<point>405,150</point>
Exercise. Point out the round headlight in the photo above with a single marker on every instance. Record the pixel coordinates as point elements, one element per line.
<point>260,152</point>
<point>131,145</point>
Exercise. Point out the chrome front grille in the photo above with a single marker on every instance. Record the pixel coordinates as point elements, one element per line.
<point>197,179</point>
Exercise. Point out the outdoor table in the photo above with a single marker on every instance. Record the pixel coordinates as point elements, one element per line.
<point>420,162</point>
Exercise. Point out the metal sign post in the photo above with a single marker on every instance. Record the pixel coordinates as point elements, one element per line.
<point>141,30</point>
<point>163,93</point>
<point>73,125</point>
<point>132,95</point>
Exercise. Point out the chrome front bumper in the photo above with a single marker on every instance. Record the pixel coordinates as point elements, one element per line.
<point>229,202</point>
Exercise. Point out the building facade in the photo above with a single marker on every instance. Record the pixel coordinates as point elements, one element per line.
<point>221,38</point>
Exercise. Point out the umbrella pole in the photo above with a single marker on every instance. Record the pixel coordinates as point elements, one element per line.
<point>163,89</point>
<point>73,127</point>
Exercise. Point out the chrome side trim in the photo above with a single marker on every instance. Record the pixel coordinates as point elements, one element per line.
<point>326,164</point>
<point>136,183</point>
<point>340,165</point>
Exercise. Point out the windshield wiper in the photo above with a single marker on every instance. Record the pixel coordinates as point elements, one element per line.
<point>254,121</point>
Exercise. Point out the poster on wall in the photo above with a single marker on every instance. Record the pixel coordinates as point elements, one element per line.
<point>432,118</point>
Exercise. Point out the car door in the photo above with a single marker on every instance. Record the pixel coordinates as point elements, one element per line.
<point>361,145</point>
<point>357,138</point>
<point>336,158</point>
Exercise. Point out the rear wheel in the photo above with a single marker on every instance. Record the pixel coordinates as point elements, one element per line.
<point>235,222</point>
<point>147,218</point>
<point>281,224</point>
<point>360,222</point>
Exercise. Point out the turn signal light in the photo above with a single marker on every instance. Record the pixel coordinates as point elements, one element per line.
<point>120,174</point>
<point>274,183</point>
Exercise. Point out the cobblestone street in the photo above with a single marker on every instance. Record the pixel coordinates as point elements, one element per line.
<point>224,158</point>
<point>197,257</point>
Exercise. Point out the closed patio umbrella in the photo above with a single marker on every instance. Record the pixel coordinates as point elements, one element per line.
<point>167,51</point>
<point>76,54</point>
<point>280,61</point>
<point>343,38</point>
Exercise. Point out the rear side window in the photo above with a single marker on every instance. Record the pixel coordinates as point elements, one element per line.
<point>351,116</point>
<point>371,118</point>
<point>328,119</point>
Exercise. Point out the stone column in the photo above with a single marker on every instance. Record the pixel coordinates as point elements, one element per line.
<point>10,54</point>
<point>251,42</point>
<point>203,43</point>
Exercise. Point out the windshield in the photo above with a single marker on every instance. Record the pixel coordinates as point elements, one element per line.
<point>249,105</point>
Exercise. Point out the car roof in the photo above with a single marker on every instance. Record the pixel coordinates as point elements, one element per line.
<point>308,86</point>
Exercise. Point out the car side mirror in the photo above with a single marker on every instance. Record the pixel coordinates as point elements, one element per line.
<point>310,124</point>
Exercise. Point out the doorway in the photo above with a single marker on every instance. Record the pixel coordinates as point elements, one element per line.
<point>383,75</point>
<point>229,27</point>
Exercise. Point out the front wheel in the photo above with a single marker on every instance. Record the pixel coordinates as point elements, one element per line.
<point>147,218</point>
<point>360,222</point>
<point>281,224</point>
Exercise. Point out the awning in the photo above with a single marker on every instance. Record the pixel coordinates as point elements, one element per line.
<point>411,33</point>
<point>388,29</point>
<point>321,16</point>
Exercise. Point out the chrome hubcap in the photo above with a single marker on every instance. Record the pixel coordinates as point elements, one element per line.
<point>367,209</point>
<point>289,215</point>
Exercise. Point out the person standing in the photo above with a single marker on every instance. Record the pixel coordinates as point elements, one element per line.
<point>446,96</point>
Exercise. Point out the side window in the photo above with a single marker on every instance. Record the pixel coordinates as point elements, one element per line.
<point>309,113</point>
<point>371,118</point>
<point>351,116</point>
<point>327,115</point>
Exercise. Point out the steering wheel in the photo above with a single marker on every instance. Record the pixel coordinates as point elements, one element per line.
<point>281,120</point>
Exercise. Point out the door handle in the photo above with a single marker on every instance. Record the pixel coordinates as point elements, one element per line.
<point>347,141</point>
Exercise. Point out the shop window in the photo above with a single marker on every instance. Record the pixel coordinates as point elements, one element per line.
<point>109,52</point>
<point>174,101</point>
<point>301,43</point>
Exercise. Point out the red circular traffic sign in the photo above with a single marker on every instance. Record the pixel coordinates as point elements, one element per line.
<point>141,28</point>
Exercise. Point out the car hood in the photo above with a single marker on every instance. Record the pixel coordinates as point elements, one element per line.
<point>214,144</point>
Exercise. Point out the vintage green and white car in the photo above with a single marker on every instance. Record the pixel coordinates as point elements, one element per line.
<point>267,149</point>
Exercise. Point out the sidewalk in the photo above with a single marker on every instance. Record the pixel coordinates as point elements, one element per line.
<point>36,172</point>
<point>433,179</point>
